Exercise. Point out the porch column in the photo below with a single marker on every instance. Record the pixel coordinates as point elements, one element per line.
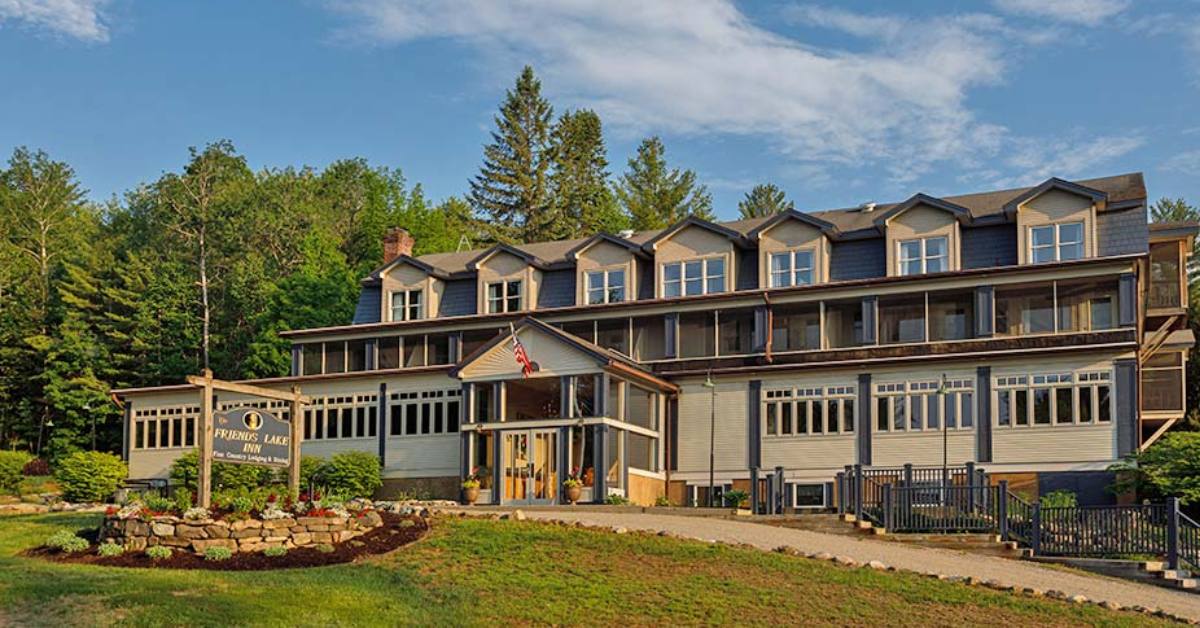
<point>295,360</point>
<point>1127,300</point>
<point>600,462</point>
<point>564,461</point>
<point>497,463</point>
<point>381,424</point>
<point>127,430</point>
<point>984,315</point>
<point>754,448</point>
<point>864,419</point>
<point>983,415</point>
<point>1126,415</point>
<point>870,307</point>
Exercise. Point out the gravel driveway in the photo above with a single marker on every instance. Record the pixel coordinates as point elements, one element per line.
<point>918,559</point>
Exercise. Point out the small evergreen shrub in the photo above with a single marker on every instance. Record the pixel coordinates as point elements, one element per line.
<point>325,548</point>
<point>734,499</point>
<point>183,500</point>
<point>12,467</point>
<point>110,549</point>
<point>616,500</point>
<point>275,552</point>
<point>352,473</point>
<point>66,541</point>
<point>36,467</point>
<point>218,553</point>
<point>310,470</point>
<point>158,552</point>
<point>157,503</point>
<point>90,476</point>
<point>1059,499</point>
<point>662,501</point>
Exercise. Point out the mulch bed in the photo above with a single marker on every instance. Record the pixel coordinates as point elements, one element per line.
<point>396,532</point>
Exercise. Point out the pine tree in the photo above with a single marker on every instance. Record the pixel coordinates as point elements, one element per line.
<point>581,201</point>
<point>655,196</point>
<point>764,199</point>
<point>509,193</point>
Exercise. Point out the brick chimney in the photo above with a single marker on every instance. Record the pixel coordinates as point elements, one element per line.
<point>397,242</point>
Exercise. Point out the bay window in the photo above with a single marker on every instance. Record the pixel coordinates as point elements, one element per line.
<point>1056,243</point>
<point>792,268</point>
<point>923,255</point>
<point>693,277</point>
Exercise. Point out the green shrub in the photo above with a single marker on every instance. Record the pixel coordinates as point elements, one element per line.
<point>225,476</point>
<point>110,549</point>
<point>218,553</point>
<point>158,552</point>
<point>352,473</point>
<point>157,503</point>
<point>310,468</point>
<point>616,500</point>
<point>90,476</point>
<point>66,541</point>
<point>324,548</point>
<point>1168,468</point>
<point>275,552</point>
<point>1059,499</point>
<point>183,500</point>
<point>734,499</point>
<point>662,501</point>
<point>244,500</point>
<point>12,469</point>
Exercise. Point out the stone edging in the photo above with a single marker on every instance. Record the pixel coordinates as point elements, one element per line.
<point>846,561</point>
<point>243,535</point>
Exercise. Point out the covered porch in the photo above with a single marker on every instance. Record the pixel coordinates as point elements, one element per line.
<point>585,411</point>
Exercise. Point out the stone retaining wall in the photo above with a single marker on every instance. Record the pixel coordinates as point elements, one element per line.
<point>244,535</point>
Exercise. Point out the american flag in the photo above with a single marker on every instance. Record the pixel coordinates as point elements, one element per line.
<point>520,355</point>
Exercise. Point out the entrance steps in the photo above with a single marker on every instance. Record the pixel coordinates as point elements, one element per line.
<point>1147,571</point>
<point>983,544</point>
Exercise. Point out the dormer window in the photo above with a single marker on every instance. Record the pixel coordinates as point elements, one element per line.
<point>923,255</point>
<point>694,277</point>
<point>1056,243</point>
<point>407,305</point>
<point>606,286</point>
<point>792,268</point>
<point>503,296</point>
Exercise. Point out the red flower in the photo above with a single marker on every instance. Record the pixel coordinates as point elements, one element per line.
<point>110,511</point>
<point>271,498</point>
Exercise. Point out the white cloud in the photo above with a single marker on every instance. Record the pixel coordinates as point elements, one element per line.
<point>1038,159</point>
<point>703,67</point>
<point>1185,163</point>
<point>81,19</point>
<point>1084,12</point>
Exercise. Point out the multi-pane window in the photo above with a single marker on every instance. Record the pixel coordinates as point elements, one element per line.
<point>167,427</point>
<point>504,296</point>
<point>342,417</point>
<point>792,268</point>
<point>424,413</point>
<point>693,277</point>
<point>1063,306</point>
<point>606,286</point>
<point>923,255</point>
<point>918,406</point>
<point>1056,243</point>
<point>808,411</point>
<point>407,305</point>
<point>1053,399</point>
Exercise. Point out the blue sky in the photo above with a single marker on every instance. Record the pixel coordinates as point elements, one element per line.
<point>838,103</point>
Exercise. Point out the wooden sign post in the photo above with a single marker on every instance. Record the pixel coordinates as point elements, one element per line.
<point>207,385</point>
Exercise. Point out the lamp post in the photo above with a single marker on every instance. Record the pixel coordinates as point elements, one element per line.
<point>712,434</point>
<point>941,393</point>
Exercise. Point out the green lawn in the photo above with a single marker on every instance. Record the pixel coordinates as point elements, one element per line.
<point>479,572</point>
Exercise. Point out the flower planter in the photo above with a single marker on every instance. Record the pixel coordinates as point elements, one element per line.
<point>574,493</point>
<point>470,495</point>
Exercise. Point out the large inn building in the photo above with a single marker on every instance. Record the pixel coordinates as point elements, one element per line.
<point>1039,331</point>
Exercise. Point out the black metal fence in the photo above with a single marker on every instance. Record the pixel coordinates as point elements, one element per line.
<point>859,489</point>
<point>1141,530</point>
<point>943,508</point>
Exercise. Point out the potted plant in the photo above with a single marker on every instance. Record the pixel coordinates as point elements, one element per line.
<point>574,486</point>
<point>470,487</point>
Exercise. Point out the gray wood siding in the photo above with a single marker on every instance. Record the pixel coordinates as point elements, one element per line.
<point>1122,232</point>
<point>983,247</point>
<point>369,305</point>
<point>858,259</point>
<point>459,298</point>
<point>557,289</point>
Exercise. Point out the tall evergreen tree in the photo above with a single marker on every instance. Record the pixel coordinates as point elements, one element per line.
<point>509,192</point>
<point>656,196</point>
<point>764,199</point>
<point>581,202</point>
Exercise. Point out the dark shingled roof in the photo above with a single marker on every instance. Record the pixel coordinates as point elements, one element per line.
<point>1120,189</point>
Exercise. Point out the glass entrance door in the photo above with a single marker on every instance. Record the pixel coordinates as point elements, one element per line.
<point>530,466</point>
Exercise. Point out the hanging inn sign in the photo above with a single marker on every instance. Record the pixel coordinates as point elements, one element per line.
<point>247,435</point>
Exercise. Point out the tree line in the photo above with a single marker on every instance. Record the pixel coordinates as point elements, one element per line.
<point>204,266</point>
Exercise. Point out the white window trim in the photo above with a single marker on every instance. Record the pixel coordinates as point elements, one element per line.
<point>606,286</point>
<point>1056,244</point>
<point>406,306</point>
<point>419,399</point>
<point>955,388</point>
<point>793,267</point>
<point>1025,384</point>
<point>830,398</point>
<point>368,403</point>
<point>704,276</point>
<point>924,256</point>
<point>505,295</point>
